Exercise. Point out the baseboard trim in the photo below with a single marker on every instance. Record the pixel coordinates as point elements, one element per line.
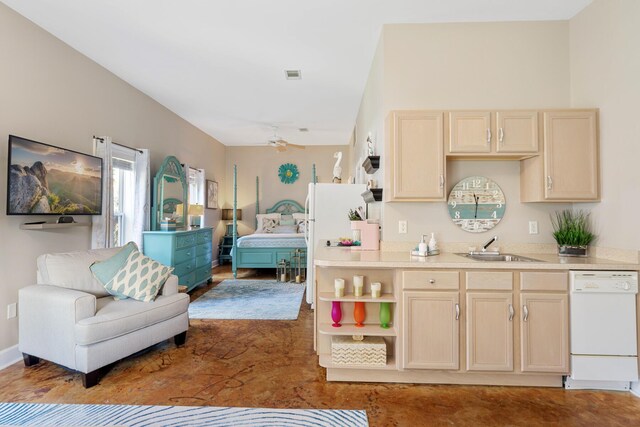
<point>215,263</point>
<point>635,388</point>
<point>9,356</point>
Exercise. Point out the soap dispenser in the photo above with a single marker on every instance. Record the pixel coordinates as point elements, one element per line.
<point>433,245</point>
<point>422,246</point>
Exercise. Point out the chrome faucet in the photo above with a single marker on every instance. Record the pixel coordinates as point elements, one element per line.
<point>489,242</point>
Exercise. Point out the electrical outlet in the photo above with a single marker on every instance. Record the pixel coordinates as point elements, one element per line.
<point>11,311</point>
<point>402,227</point>
<point>533,227</point>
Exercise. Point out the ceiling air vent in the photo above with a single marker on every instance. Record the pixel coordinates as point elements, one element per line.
<point>303,129</point>
<point>293,74</point>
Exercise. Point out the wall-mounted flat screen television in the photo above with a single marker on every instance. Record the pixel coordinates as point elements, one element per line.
<point>48,180</point>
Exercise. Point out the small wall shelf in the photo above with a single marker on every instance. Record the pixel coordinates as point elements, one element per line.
<point>371,164</point>
<point>329,296</point>
<point>53,225</point>
<point>350,329</point>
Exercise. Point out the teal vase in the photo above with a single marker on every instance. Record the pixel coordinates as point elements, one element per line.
<point>385,314</point>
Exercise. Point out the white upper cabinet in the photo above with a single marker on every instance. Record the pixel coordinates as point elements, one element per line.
<point>516,131</point>
<point>415,156</point>
<point>568,169</point>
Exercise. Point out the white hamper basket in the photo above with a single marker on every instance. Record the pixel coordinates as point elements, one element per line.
<point>372,351</point>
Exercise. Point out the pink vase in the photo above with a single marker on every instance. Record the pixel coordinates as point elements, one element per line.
<point>336,314</point>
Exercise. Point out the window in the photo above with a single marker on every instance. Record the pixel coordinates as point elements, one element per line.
<point>125,192</point>
<point>123,174</point>
<point>196,186</point>
<point>196,196</point>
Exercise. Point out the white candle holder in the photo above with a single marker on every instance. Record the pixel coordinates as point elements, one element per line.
<point>339,287</point>
<point>358,285</point>
<point>376,289</point>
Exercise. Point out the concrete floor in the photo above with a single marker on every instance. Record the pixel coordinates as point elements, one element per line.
<point>272,364</point>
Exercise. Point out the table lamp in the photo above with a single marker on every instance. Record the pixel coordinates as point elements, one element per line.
<point>195,212</point>
<point>227,215</point>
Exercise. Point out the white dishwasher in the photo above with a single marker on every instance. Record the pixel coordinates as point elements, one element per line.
<point>604,348</point>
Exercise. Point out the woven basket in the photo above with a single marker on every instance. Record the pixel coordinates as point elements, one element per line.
<point>372,351</point>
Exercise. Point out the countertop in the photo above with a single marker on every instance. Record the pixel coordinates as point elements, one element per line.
<point>345,257</point>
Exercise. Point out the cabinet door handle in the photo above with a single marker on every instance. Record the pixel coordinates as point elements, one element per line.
<point>511,312</point>
<point>432,281</point>
<point>457,311</point>
<point>549,182</point>
<point>441,181</point>
<point>501,138</point>
<point>525,310</point>
<point>488,136</point>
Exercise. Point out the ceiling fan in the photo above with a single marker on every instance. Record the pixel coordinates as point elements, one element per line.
<point>280,144</point>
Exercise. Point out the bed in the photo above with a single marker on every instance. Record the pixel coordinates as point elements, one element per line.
<point>265,248</point>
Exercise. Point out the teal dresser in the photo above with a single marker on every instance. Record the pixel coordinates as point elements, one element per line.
<point>189,252</point>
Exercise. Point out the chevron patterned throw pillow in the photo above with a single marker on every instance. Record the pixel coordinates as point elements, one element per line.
<point>140,278</point>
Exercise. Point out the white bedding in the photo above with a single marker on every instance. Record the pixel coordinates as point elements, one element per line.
<point>272,240</point>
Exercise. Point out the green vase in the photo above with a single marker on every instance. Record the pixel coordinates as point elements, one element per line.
<point>385,314</point>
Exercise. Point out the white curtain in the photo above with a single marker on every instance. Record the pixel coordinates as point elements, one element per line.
<point>142,203</point>
<point>102,225</point>
<point>102,232</point>
<point>201,187</point>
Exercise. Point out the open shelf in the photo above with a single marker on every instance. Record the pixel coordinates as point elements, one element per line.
<point>329,296</point>
<point>371,164</point>
<point>53,225</point>
<point>325,362</point>
<point>350,329</point>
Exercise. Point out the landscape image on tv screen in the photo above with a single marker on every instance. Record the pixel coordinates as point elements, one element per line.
<point>48,180</point>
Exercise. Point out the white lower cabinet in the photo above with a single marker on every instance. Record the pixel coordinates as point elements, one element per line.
<point>431,327</point>
<point>544,332</point>
<point>491,313</point>
<point>490,331</point>
<point>452,327</point>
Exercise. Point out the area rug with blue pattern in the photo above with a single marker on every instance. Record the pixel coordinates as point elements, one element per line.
<point>50,414</point>
<point>249,299</point>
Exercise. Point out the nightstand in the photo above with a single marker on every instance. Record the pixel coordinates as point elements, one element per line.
<point>225,249</point>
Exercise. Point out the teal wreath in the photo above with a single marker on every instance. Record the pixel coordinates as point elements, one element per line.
<point>288,173</point>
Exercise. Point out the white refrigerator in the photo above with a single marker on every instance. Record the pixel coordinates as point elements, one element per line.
<point>327,208</point>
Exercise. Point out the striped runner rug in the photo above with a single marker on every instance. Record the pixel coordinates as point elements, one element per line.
<point>52,414</point>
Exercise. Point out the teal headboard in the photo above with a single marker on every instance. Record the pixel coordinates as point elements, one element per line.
<point>286,207</point>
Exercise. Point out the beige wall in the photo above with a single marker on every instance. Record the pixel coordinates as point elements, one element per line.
<point>52,93</point>
<point>467,66</point>
<point>264,162</point>
<point>605,72</point>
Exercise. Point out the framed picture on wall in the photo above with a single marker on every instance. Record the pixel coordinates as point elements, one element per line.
<point>212,195</point>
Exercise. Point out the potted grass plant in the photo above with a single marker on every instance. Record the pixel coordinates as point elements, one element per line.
<point>572,232</point>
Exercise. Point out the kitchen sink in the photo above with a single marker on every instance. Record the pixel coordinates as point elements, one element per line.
<point>499,257</point>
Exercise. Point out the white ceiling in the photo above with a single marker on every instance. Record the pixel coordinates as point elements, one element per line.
<point>220,64</point>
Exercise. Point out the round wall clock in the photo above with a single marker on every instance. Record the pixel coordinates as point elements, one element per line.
<point>288,173</point>
<point>476,204</point>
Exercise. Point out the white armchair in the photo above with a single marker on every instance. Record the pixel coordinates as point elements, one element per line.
<point>68,317</point>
